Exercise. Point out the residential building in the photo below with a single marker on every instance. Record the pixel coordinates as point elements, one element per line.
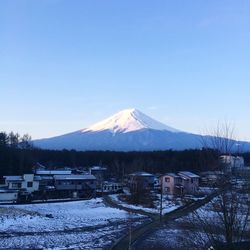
<point>190,182</point>
<point>171,183</point>
<point>232,163</point>
<point>140,181</point>
<point>111,187</point>
<point>8,195</point>
<point>47,178</point>
<point>75,185</point>
<point>100,173</point>
<point>184,182</point>
<point>211,178</point>
<point>27,182</point>
<point>49,185</point>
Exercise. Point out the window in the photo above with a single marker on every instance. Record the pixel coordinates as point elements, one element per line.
<point>16,185</point>
<point>167,179</point>
<point>29,184</point>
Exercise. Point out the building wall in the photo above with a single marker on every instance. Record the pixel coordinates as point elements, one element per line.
<point>29,184</point>
<point>8,196</point>
<point>111,187</point>
<point>74,184</point>
<point>168,184</point>
<point>137,183</point>
<point>14,185</point>
<point>190,185</point>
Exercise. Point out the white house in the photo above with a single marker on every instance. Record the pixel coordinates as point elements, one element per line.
<point>27,182</point>
<point>111,187</point>
<point>232,163</point>
<point>8,195</point>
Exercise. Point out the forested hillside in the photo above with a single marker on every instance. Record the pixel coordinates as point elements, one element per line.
<point>18,156</point>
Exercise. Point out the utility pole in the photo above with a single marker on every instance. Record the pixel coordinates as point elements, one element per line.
<point>130,231</point>
<point>161,181</point>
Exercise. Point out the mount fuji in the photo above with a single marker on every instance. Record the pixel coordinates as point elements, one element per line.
<point>128,130</point>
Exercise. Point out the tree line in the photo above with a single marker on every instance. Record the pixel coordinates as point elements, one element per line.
<point>15,153</point>
<point>18,156</point>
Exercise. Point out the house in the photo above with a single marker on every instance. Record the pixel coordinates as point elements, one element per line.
<point>47,178</point>
<point>232,163</point>
<point>49,184</point>
<point>25,186</point>
<point>109,187</point>
<point>8,195</point>
<point>190,182</point>
<point>171,183</point>
<point>100,173</point>
<point>211,178</point>
<point>28,182</point>
<point>184,182</point>
<point>157,182</point>
<point>81,186</point>
<point>140,181</point>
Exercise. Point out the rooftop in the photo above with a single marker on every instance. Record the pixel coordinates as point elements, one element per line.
<point>13,178</point>
<point>53,172</point>
<point>141,173</point>
<point>37,178</point>
<point>75,177</point>
<point>98,168</point>
<point>189,174</point>
<point>172,175</point>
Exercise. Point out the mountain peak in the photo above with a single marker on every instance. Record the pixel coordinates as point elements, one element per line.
<point>128,120</point>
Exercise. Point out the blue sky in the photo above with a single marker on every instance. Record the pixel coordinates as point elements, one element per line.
<point>67,64</point>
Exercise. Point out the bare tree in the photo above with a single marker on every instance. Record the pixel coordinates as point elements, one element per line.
<point>14,139</point>
<point>225,221</point>
<point>26,141</point>
<point>221,138</point>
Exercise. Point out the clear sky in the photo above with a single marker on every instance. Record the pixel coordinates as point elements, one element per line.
<point>67,64</point>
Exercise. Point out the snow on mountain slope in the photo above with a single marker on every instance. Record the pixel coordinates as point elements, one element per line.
<point>128,130</point>
<point>127,121</point>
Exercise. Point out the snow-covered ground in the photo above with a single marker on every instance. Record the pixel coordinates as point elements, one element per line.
<point>167,205</point>
<point>68,225</point>
<point>187,232</point>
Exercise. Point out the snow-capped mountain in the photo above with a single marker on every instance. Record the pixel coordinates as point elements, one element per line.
<point>128,130</point>
<point>126,121</point>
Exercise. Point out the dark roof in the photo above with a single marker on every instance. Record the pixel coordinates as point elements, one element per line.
<point>98,168</point>
<point>188,174</point>
<point>46,178</point>
<point>172,175</point>
<point>75,177</point>
<point>13,178</point>
<point>141,173</point>
<point>20,178</point>
<point>53,172</point>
